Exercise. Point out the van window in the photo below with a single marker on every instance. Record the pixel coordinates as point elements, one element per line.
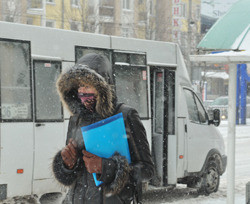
<point>191,105</point>
<point>196,111</point>
<point>201,112</point>
<point>15,80</point>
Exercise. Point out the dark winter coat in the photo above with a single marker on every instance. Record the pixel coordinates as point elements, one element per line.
<point>119,178</point>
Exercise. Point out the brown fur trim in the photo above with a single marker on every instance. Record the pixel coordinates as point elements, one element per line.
<point>63,176</point>
<point>71,80</point>
<point>121,177</point>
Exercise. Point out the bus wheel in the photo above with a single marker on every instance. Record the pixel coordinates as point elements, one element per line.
<point>210,180</point>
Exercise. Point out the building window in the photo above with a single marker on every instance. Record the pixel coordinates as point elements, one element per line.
<point>91,3</point>
<point>35,4</point>
<point>142,17</point>
<point>50,24</point>
<point>183,10</point>
<point>75,2</point>
<point>141,1</point>
<point>198,12</point>
<point>30,21</point>
<point>109,3</point>
<point>125,32</point>
<point>91,10</point>
<point>126,4</point>
<point>107,28</point>
<point>50,1</point>
<point>151,8</point>
<point>74,25</point>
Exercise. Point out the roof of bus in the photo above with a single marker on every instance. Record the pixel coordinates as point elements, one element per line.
<point>60,44</point>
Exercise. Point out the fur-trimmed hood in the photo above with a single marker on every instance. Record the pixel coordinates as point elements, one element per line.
<point>92,69</point>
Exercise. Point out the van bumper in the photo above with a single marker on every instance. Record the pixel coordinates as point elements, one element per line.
<point>224,163</point>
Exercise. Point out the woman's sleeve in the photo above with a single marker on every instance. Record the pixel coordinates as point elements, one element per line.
<point>142,163</point>
<point>62,174</point>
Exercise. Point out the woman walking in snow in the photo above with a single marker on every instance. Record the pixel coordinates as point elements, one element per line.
<point>87,91</point>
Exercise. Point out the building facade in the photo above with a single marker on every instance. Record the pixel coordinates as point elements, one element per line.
<point>13,10</point>
<point>164,20</point>
<point>127,18</point>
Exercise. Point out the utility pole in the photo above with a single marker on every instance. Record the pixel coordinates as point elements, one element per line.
<point>231,134</point>
<point>44,14</point>
<point>147,20</point>
<point>189,39</point>
<point>62,26</point>
<point>97,16</point>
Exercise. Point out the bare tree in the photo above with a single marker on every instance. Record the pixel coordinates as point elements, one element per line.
<point>81,15</point>
<point>13,11</point>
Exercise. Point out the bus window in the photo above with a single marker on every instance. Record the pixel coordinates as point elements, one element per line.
<point>131,87</point>
<point>170,82</point>
<point>121,57</point>
<point>47,101</point>
<point>15,80</point>
<point>81,51</point>
<point>159,101</point>
<point>138,59</point>
<point>131,81</point>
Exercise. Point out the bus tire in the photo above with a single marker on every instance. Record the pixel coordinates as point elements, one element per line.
<point>210,179</point>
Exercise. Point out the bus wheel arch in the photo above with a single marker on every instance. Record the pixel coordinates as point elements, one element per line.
<point>208,179</point>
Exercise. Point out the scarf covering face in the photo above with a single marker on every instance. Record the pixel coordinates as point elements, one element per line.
<point>88,100</point>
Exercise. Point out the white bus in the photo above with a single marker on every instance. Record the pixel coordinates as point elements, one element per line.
<point>150,76</point>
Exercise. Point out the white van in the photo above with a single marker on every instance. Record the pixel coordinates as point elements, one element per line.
<point>149,76</point>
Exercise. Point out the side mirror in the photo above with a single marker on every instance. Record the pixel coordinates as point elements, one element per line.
<point>215,117</point>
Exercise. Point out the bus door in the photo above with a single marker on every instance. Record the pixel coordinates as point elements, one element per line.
<point>48,126</point>
<point>163,125</point>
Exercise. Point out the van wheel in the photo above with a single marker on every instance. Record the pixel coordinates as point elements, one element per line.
<point>210,179</point>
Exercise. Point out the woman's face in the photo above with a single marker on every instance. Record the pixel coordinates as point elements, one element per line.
<point>87,89</point>
<point>87,94</point>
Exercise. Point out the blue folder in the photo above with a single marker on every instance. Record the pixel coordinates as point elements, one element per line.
<point>106,137</point>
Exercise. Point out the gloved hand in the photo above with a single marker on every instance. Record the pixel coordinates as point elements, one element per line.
<point>93,163</point>
<point>69,154</point>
